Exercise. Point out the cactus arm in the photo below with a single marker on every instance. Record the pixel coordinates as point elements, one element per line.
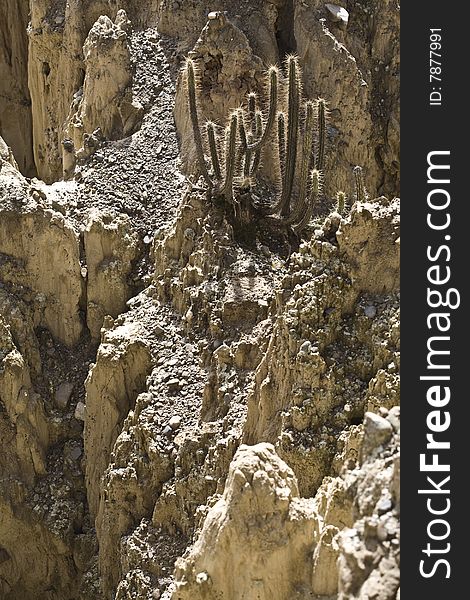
<point>359,187</point>
<point>292,133</point>
<point>243,152</point>
<point>307,143</point>
<point>252,111</point>
<point>315,187</point>
<point>273,74</point>
<point>340,203</point>
<point>211,137</point>
<point>321,115</point>
<point>257,157</point>
<point>281,141</point>
<point>230,156</point>
<point>191,84</point>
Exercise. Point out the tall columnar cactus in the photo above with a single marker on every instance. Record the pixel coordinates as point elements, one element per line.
<point>293,105</point>
<point>311,203</point>
<point>258,129</point>
<point>341,203</point>
<point>307,143</point>
<point>230,155</point>
<point>248,132</point>
<point>321,114</point>
<point>281,141</point>
<point>212,139</point>
<point>243,160</point>
<point>359,187</point>
<point>191,84</point>
<point>251,136</point>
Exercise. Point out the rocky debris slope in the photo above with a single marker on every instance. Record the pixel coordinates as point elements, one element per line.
<point>176,389</point>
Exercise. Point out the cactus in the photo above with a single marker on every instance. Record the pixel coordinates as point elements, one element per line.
<point>252,111</point>
<point>313,198</point>
<point>210,129</point>
<point>281,141</point>
<point>306,148</point>
<point>360,192</point>
<point>247,133</point>
<point>293,103</point>
<point>273,74</point>
<point>257,157</point>
<point>230,155</point>
<point>341,203</point>
<point>247,171</point>
<point>242,154</point>
<point>191,84</point>
<point>321,114</point>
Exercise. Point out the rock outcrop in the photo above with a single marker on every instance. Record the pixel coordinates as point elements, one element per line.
<point>322,355</point>
<point>191,406</point>
<point>103,107</point>
<point>122,364</point>
<point>15,102</point>
<point>40,256</point>
<point>110,246</point>
<point>257,540</point>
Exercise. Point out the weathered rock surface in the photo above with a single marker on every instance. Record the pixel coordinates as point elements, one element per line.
<point>40,256</point>
<point>103,107</point>
<point>259,20</point>
<point>110,246</point>
<point>257,540</point>
<point>176,389</point>
<point>15,111</point>
<point>122,364</point>
<point>314,377</point>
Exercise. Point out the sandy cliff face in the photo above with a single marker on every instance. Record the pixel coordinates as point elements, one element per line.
<point>15,97</point>
<point>190,408</point>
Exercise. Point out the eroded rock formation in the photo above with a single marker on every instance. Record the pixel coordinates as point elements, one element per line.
<point>190,408</point>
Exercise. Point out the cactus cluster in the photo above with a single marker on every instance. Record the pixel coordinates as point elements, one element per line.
<point>295,127</point>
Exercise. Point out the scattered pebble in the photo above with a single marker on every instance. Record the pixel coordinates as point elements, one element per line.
<point>175,422</point>
<point>384,505</point>
<point>80,411</point>
<point>377,430</point>
<point>337,14</point>
<point>62,395</point>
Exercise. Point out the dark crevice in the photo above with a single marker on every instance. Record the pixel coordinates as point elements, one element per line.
<point>285,35</point>
<point>15,102</point>
<point>46,69</point>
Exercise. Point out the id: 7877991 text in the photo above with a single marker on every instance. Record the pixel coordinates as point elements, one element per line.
<point>435,67</point>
